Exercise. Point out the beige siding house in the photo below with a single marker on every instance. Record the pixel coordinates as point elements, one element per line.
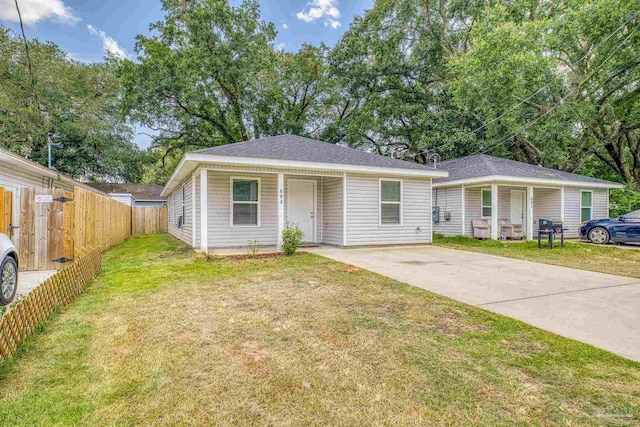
<point>229,195</point>
<point>492,188</point>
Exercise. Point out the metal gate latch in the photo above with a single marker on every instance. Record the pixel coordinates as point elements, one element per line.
<point>63,260</point>
<point>63,199</point>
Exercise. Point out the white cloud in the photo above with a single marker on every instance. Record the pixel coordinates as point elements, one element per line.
<point>34,11</point>
<point>325,10</point>
<point>281,47</point>
<point>285,27</point>
<point>109,44</point>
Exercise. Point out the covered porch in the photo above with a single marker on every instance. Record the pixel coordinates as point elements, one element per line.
<point>520,205</point>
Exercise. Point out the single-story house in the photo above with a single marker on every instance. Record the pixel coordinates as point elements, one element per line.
<point>228,195</point>
<point>493,188</point>
<point>132,194</point>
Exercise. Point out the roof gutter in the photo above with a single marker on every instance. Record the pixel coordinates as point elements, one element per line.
<point>296,164</point>
<point>525,181</point>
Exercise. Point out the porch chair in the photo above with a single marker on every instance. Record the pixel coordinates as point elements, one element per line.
<point>510,231</point>
<point>480,229</point>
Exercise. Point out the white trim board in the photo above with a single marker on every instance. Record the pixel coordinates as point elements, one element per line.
<point>524,182</point>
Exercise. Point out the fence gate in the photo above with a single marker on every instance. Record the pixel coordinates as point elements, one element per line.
<point>6,209</point>
<point>46,228</point>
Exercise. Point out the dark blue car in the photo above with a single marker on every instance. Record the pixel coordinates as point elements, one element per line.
<point>624,229</point>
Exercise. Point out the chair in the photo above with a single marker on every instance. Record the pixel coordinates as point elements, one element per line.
<point>480,229</point>
<point>510,231</point>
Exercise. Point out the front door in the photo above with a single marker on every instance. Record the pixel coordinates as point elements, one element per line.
<point>517,207</point>
<point>301,202</point>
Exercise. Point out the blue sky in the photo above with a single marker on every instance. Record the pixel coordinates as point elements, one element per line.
<point>86,29</point>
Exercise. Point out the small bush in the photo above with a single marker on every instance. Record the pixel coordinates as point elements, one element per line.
<point>291,239</point>
<point>254,248</point>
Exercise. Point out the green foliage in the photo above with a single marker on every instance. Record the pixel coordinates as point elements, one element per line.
<point>77,101</point>
<point>624,200</point>
<point>254,248</point>
<point>291,239</point>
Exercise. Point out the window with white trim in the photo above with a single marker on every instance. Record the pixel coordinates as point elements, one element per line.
<point>245,202</point>
<point>486,202</point>
<point>586,205</point>
<point>390,202</point>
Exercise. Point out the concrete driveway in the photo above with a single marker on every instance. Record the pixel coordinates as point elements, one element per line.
<point>596,308</point>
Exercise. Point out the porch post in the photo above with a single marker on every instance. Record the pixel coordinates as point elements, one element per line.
<point>530,213</point>
<point>494,211</point>
<point>280,209</point>
<point>562,204</point>
<point>344,209</point>
<point>204,246</point>
<point>464,226</point>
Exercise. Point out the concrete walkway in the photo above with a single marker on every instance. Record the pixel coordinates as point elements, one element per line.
<point>28,280</point>
<point>596,308</point>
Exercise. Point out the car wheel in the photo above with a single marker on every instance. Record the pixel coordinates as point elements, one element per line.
<point>599,236</point>
<point>8,280</point>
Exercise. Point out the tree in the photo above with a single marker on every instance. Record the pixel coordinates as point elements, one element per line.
<point>557,83</point>
<point>76,101</point>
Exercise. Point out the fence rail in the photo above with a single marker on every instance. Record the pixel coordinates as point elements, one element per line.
<point>20,322</point>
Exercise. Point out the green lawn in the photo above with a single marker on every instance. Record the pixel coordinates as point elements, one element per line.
<point>585,256</point>
<point>166,337</point>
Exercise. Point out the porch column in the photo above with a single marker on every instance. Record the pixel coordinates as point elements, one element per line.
<point>494,212</point>
<point>344,209</point>
<point>562,204</point>
<point>529,213</point>
<point>203,210</point>
<point>464,220</point>
<point>280,209</point>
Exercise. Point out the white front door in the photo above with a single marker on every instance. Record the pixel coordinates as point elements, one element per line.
<point>517,207</point>
<point>301,205</point>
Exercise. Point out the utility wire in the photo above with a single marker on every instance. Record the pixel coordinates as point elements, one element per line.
<point>633,15</point>
<point>26,48</point>
<point>571,92</point>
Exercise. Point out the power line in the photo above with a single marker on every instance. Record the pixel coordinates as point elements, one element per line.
<point>633,15</point>
<point>26,48</point>
<point>571,92</point>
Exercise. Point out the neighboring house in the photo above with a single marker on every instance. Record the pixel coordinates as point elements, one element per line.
<point>493,188</point>
<point>133,194</point>
<point>225,196</point>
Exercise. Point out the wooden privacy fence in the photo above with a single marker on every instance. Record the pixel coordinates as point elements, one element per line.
<point>6,207</point>
<point>19,323</point>
<point>149,220</point>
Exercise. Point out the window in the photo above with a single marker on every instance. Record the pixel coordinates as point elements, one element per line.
<point>586,205</point>
<point>245,202</point>
<point>486,202</point>
<point>390,202</point>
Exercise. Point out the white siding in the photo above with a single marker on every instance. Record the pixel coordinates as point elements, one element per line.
<point>449,200</point>
<point>546,205</point>
<point>332,211</point>
<point>363,226</point>
<point>572,208</point>
<point>175,210</point>
<point>473,209</point>
<point>220,231</point>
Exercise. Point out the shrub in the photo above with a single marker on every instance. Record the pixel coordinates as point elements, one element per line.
<point>291,239</point>
<point>254,248</point>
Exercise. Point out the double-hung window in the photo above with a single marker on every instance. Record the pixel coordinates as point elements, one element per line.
<point>586,205</point>
<point>390,202</point>
<point>486,202</point>
<point>245,202</point>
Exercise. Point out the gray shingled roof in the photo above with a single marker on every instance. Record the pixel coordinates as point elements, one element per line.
<point>139,191</point>
<point>484,165</point>
<point>297,148</point>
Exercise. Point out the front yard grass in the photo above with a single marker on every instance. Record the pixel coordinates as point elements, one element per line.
<point>164,337</point>
<point>585,256</point>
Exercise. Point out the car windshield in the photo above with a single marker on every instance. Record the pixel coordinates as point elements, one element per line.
<point>633,215</point>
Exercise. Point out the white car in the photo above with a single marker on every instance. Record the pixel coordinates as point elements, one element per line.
<point>8,270</point>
